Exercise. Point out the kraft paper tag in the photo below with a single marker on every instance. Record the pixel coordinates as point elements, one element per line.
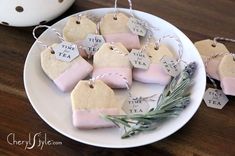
<point>135,105</point>
<point>170,66</point>
<point>93,42</point>
<point>207,50</point>
<point>97,96</point>
<point>77,29</point>
<point>139,59</point>
<point>136,27</point>
<point>215,98</point>
<point>66,51</point>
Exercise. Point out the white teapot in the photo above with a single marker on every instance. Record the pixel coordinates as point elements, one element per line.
<point>31,12</point>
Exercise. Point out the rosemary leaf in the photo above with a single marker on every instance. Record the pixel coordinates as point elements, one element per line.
<point>170,104</point>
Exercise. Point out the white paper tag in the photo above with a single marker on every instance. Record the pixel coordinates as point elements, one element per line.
<point>93,42</point>
<point>170,66</point>
<point>136,27</point>
<point>66,51</point>
<point>215,98</point>
<point>139,59</point>
<point>135,105</point>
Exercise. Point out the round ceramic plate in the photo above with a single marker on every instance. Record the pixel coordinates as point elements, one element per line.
<point>54,107</point>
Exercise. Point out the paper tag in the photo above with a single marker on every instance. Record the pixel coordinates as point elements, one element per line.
<point>93,42</point>
<point>170,66</point>
<point>66,51</point>
<point>139,59</point>
<point>135,105</point>
<point>215,98</point>
<point>136,27</point>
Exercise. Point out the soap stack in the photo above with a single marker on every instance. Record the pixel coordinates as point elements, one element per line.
<point>219,63</point>
<point>100,52</point>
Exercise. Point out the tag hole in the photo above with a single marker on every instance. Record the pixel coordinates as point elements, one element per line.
<point>114,18</point>
<point>19,9</point>
<point>91,86</point>
<point>150,56</point>
<point>78,22</point>
<point>213,45</point>
<point>111,48</point>
<point>52,52</point>
<point>42,22</point>
<point>5,23</point>
<point>156,48</point>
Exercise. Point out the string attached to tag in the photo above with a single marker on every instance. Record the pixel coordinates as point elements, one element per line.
<point>139,26</point>
<point>134,104</point>
<point>216,39</point>
<point>116,9</point>
<point>140,22</point>
<point>179,44</point>
<point>64,51</point>
<point>79,16</point>
<point>170,64</point>
<point>48,27</point>
<point>134,24</point>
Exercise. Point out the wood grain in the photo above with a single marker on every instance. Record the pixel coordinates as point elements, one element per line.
<point>209,132</point>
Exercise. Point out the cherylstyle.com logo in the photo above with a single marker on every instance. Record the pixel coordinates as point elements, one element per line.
<point>37,140</point>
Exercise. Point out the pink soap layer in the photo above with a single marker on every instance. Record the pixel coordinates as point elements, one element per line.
<point>68,79</point>
<point>129,40</point>
<point>212,68</point>
<point>82,52</point>
<point>89,119</point>
<point>117,77</point>
<point>228,85</point>
<point>155,74</point>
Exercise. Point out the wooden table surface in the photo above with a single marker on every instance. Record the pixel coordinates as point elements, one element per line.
<point>209,132</point>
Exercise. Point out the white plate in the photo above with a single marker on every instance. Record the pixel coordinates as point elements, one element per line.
<point>54,107</point>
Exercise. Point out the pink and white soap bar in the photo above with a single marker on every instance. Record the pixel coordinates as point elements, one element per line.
<point>155,73</point>
<point>208,51</point>
<point>111,64</point>
<point>64,74</point>
<point>226,72</point>
<point>89,104</point>
<point>116,30</point>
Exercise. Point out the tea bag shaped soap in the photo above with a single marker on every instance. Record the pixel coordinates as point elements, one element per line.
<point>64,74</point>
<point>112,60</point>
<point>77,29</point>
<point>90,102</point>
<point>116,30</point>
<point>207,50</point>
<point>226,72</point>
<point>155,73</point>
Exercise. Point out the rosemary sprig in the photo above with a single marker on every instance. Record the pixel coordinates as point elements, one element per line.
<point>170,103</point>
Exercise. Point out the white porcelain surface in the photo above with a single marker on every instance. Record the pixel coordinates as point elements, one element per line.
<point>31,12</point>
<point>54,107</point>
